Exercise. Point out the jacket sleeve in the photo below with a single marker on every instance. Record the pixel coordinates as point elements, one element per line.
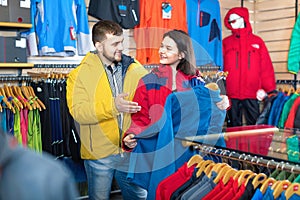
<point>267,71</point>
<point>141,119</point>
<point>83,37</point>
<point>82,103</point>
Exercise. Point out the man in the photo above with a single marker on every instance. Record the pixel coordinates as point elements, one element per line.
<point>99,94</point>
<point>27,175</point>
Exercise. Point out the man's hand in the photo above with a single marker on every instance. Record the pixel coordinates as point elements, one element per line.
<point>125,106</point>
<point>224,104</point>
<point>129,141</point>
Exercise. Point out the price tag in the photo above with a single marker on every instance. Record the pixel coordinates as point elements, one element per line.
<point>166,10</point>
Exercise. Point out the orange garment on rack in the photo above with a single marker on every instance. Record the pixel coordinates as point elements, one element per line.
<point>148,34</point>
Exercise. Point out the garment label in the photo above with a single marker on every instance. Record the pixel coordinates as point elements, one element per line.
<point>4,2</point>
<point>21,43</point>
<point>25,4</point>
<point>122,10</point>
<point>72,33</point>
<point>166,10</point>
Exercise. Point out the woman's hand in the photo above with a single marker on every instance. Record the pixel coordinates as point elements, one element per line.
<point>129,141</point>
<point>224,103</point>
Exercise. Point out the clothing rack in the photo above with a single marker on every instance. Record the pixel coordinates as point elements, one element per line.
<point>55,65</point>
<point>6,78</point>
<point>293,82</point>
<point>208,67</point>
<point>151,66</point>
<point>248,158</point>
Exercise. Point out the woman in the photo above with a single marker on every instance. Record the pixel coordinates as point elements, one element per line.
<point>176,72</point>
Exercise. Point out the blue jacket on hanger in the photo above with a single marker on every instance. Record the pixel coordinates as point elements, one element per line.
<point>158,153</point>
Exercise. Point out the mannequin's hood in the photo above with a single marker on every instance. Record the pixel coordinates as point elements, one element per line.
<point>241,11</point>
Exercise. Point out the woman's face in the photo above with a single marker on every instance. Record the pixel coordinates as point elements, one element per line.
<point>169,53</point>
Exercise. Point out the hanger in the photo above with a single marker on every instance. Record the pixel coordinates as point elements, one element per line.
<point>7,103</point>
<point>245,176</point>
<point>269,182</point>
<point>276,172</point>
<point>195,159</point>
<point>18,92</point>
<point>280,187</point>
<point>217,168</point>
<point>9,93</point>
<point>258,179</point>
<point>203,166</point>
<point>15,99</point>
<point>28,96</point>
<point>230,173</point>
<point>31,91</point>
<point>294,188</point>
<point>291,90</point>
<point>283,173</point>
<point>17,96</point>
<point>222,172</point>
<point>208,168</point>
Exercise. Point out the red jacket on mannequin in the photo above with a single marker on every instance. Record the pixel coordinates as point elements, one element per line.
<point>246,58</point>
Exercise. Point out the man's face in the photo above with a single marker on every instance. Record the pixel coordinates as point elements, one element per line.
<point>111,49</point>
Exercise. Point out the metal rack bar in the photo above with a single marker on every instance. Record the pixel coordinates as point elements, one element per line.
<point>243,157</point>
<point>55,65</point>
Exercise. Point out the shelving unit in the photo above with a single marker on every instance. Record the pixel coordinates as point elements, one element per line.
<point>16,27</point>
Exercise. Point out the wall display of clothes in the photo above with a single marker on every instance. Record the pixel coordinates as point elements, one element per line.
<point>20,115</point>
<point>124,12</point>
<point>33,109</point>
<point>282,109</point>
<point>69,37</point>
<point>60,136</point>
<point>37,115</point>
<point>201,19</point>
<point>223,174</point>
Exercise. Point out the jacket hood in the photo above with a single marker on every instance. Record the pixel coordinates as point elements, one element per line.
<point>241,11</point>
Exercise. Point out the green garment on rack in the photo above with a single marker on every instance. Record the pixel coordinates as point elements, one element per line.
<point>292,177</point>
<point>286,110</point>
<point>292,143</point>
<point>297,179</point>
<point>17,127</point>
<point>283,175</point>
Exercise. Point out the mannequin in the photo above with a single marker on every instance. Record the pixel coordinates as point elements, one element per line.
<point>236,21</point>
<point>249,66</point>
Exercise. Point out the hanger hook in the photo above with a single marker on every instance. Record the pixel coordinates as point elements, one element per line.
<point>269,161</point>
<point>231,154</point>
<point>253,159</point>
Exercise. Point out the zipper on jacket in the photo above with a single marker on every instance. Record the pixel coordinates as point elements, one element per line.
<point>249,55</point>
<point>201,19</point>
<point>91,143</point>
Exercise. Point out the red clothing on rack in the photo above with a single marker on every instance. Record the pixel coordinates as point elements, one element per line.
<point>169,185</point>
